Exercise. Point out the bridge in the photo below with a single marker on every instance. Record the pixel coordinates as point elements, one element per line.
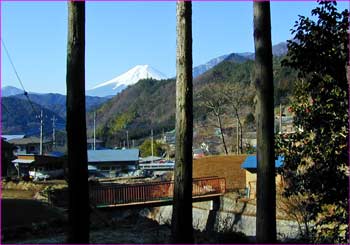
<point>152,193</point>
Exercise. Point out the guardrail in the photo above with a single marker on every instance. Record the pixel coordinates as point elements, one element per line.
<point>150,166</point>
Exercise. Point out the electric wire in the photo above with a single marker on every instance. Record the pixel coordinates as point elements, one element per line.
<point>19,79</point>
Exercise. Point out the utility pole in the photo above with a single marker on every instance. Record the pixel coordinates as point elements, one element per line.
<point>54,119</point>
<point>94,130</point>
<point>280,118</point>
<point>41,117</point>
<point>237,130</point>
<point>127,139</point>
<point>152,143</point>
<point>133,143</point>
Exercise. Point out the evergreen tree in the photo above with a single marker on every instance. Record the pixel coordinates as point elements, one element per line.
<point>316,155</point>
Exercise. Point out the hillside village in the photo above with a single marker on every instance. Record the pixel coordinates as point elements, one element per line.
<point>248,147</point>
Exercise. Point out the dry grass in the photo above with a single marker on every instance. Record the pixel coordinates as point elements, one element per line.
<point>222,166</point>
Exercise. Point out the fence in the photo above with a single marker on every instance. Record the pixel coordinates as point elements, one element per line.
<point>114,194</point>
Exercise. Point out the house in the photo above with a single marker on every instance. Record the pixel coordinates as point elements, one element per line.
<point>29,145</point>
<point>113,162</point>
<point>90,144</point>
<point>198,153</point>
<point>169,137</point>
<point>38,166</point>
<point>8,137</point>
<point>250,167</point>
<point>150,159</point>
<point>249,139</point>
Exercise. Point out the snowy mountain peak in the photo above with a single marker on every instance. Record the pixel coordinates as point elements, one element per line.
<point>132,76</point>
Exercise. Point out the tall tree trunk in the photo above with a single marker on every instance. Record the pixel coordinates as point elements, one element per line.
<point>266,185</point>
<point>78,214</point>
<point>222,134</point>
<point>241,132</point>
<point>182,231</point>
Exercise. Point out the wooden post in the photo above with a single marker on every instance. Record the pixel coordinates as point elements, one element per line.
<point>266,186</point>
<point>182,230</point>
<point>78,214</point>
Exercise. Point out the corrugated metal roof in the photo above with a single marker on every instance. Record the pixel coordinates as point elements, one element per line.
<point>250,162</point>
<point>55,154</point>
<point>8,137</point>
<point>29,140</point>
<point>113,155</point>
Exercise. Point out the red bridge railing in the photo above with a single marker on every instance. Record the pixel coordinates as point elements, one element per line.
<point>117,194</point>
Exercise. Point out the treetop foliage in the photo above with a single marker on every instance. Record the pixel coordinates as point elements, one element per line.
<point>316,156</point>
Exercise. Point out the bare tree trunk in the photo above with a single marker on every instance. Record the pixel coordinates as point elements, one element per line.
<point>182,230</point>
<point>79,220</point>
<point>222,134</point>
<point>266,185</point>
<point>241,132</point>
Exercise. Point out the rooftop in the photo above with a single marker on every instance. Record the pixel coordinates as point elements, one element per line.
<point>91,141</point>
<point>8,137</point>
<point>251,162</point>
<point>150,159</point>
<point>25,141</point>
<point>126,155</point>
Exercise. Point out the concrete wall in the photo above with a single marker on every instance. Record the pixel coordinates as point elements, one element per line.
<point>222,221</point>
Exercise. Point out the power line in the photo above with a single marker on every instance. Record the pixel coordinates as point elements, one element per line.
<point>19,79</point>
<point>3,105</point>
<point>13,66</point>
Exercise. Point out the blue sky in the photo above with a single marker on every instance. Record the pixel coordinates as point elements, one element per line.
<point>120,35</point>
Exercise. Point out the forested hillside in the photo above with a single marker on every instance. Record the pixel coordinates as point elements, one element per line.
<point>57,102</point>
<point>18,117</point>
<point>151,103</point>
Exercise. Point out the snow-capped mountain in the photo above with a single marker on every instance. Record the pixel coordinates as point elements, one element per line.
<point>132,76</point>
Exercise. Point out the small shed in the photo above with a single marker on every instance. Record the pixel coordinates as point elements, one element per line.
<point>250,167</point>
<point>112,162</point>
<point>32,165</point>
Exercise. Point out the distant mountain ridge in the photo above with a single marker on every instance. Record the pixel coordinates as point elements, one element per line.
<point>18,117</point>
<point>10,90</point>
<point>51,101</point>
<point>277,50</point>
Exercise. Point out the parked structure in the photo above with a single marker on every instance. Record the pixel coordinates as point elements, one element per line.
<point>250,167</point>
<point>113,162</point>
<point>38,167</point>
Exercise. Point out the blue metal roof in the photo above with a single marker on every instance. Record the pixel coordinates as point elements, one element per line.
<point>55,154</point>
<point>126,155</point>
<point>250,162</point>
